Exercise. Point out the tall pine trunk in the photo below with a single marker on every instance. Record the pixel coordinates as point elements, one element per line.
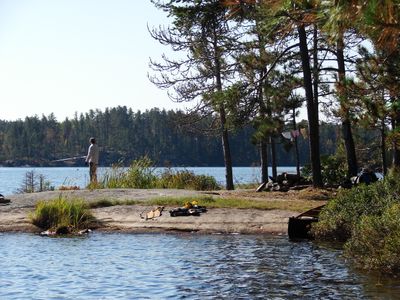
<point>383,146</point>
<point>396,150</point>
<point>312,109</point>
<point>227,152</point>
<point>263,112</point>
<point>296,144</point>
<point>346,124</point>
<point>224,131</point>
<point>273,158</point>
<point>264,161</point>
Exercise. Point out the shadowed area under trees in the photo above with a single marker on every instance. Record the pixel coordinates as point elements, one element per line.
<point>239,61</point>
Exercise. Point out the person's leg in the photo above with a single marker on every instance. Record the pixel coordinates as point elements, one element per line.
<point>94,177</point>
<point>92,172</point>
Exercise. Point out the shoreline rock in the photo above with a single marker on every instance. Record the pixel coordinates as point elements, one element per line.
<point>127,218</point>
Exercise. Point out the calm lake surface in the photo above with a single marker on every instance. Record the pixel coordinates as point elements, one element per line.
<point>186,266</point>
<point>11,178</point>
<point>174,266</point>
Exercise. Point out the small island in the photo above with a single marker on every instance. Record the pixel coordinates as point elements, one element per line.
<point>121,210</point>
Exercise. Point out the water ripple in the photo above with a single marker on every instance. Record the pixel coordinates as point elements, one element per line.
<point>157,266</point>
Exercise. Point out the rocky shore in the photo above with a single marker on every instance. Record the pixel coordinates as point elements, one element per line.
<point>14,217</point>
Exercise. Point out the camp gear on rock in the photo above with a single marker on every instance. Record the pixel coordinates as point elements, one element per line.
<point>3,200</point>
<point>367,176</point>
<point>181,211</point>
<point>154,213</point>
<point>189,209</point>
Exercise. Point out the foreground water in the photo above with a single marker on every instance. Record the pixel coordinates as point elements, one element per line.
<point>11,179</point>
<point>158,266</point>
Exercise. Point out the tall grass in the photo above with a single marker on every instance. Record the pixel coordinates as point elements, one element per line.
<point>142,175</point>
<point>367,220</point>
<point>186,180</point>
<point>61,212</point>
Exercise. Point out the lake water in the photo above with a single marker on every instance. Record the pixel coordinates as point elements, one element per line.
<point>185,266</point>
<point>11,178</point>
<point>174,266</point>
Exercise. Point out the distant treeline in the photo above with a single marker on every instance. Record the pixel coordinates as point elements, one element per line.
<point>124,135</point>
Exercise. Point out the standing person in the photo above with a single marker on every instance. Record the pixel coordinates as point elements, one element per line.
<point>92,159</point>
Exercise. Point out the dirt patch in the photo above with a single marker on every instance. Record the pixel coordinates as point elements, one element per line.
<point>308,193</point>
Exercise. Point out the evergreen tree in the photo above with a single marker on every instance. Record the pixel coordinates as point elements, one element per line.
<point>201,30</point>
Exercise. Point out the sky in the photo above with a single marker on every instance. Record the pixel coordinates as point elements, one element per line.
<point>67,56</point>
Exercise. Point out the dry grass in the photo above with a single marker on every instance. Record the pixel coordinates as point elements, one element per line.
<point>308,194</point>
<point>297,201</point>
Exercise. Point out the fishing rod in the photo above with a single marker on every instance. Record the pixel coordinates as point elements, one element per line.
<point>69,158</point>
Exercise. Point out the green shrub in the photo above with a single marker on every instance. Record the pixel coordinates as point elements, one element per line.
<point>366,219</point>
<point>375,242</point>
<point>186,180</point>
<point>340,215</point>
<point>58,213</point>
<point>139,175</point>
<point>142,175</point>
<point>333,170</point>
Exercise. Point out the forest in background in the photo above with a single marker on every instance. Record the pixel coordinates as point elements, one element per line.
<point>167,137</point>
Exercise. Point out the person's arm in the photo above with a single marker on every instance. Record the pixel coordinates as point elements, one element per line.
<point>89,155</point>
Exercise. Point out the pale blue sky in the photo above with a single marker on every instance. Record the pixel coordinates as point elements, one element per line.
<point>67,56</point>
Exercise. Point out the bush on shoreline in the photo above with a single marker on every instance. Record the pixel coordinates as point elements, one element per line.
<point>142,175</point>
<point>367,220</point>
<point>58,213</point>
<point>186,180</point>
<point>376,241</point>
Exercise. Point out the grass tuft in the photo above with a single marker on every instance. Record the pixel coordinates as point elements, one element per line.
<point>61,212</point>
<point>185,179</point>
<point>142,175</point>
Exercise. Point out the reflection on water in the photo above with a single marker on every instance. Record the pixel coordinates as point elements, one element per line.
<point>157,266</point>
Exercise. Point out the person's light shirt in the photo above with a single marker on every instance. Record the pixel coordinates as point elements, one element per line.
<point>93,154</point>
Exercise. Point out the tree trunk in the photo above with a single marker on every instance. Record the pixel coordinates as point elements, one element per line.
<point>383,147</point>
<point>312,109</point>
<point>273,158</point>
<point>396,150</point>
<point>352,167</point>
<point>263,112</point>
<point>350,148</point>
<point>227,154</point>
<point>296,144</point>
<point>264,161</point>
<point>224,134</point>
